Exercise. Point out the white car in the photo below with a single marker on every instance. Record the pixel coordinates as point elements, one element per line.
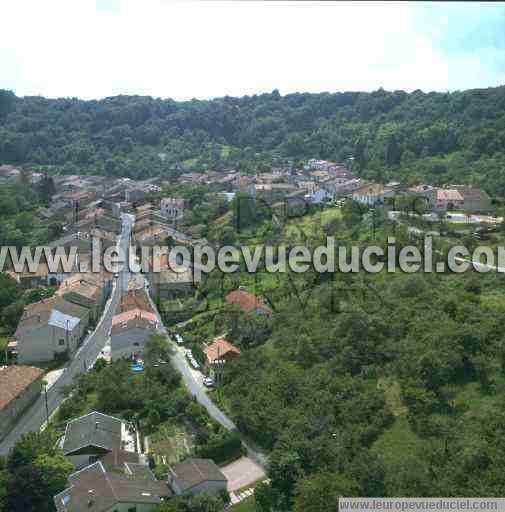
<point>208,382</point>
<point>178,339</point>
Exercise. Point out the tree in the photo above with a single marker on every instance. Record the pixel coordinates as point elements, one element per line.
<point>157,348</point>
<point>9,290</point>
<point>320,492</point>
<point>33,486</point>
<point>29,447</point>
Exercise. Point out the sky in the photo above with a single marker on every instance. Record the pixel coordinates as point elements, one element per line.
<point>205,49</point>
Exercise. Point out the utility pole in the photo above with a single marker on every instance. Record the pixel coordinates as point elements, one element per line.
<point>47,406</point>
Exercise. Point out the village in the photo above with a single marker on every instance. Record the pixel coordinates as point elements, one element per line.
<point>110,317</point>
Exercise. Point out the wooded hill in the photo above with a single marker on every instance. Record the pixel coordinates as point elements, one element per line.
<point>438,137</point>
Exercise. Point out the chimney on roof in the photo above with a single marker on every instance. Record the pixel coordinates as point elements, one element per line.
<point>90,498</point>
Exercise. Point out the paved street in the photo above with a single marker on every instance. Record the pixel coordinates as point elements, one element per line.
<point>198,390</point>
<point>35,416</point>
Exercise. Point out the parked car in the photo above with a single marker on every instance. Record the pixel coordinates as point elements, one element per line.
<point>192,361</point>
<point>208,382</point>
<point>178,339</point>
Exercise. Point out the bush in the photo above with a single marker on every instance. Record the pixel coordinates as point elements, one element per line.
<point>221,448</point>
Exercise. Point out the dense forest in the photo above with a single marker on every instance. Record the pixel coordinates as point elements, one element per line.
<point>438,137</point>
<point>361,384</point>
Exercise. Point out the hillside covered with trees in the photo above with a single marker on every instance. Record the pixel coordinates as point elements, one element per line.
<point>438,137</point>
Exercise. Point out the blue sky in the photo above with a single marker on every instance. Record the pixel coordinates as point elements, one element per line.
<point>185,49</point>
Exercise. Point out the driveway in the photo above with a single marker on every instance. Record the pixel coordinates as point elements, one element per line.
<point>242,473</point>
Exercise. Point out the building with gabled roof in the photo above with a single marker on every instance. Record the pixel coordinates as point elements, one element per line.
<point>50,328</point>
<point>95,435</point>
<point>95,489</point>
<point>247,302</point>
<point>220,350</point>
<point>195,476</point>
<point>130,332</point>
<point>217,355</point>
<point>19,387</point>
<point>372,194</point>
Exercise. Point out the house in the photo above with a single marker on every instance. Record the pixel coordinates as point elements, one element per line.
<point>95,435</point>
<point>172,208</point>
<point>111,208</point>
<point>41,277</point>
<point>217,354</point>
<point>474,199</point>
<point>426,194</point>
<point>248,302</point>
<point>95,489</point>
<point>82,293</point>
<point>372,194</point>
<point>195,476</point>
<point>19,387</point>
<point>130,332</point>
<point>272,192</point>
<point>81,240</point>
<point>136,298</point>
<point>50,328</point>
<point>167,283</point>
<point>134,194</point>
<point>341,187</point>
<point>102,281</point>
<point>448,199</point>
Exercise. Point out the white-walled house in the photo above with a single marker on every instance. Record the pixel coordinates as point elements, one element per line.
<point>130,332</point>
<point>372,194</point>
<point>50,328</point>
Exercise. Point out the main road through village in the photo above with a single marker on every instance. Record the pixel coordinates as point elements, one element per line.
<point>36,415</point>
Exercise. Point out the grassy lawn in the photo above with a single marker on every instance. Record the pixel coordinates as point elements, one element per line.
<point>311,224</point>
<point>172,442</point>
<point>397,442</point>
<point>245,506</point>
<point>472,398</point>
<point>392,393</point>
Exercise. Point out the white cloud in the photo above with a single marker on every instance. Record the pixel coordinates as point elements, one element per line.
<point>208,49</point>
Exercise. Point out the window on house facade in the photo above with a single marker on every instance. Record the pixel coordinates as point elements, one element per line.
<point>61,342</point>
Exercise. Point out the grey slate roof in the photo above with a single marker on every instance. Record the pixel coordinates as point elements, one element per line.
<point>95,430</point>
<point>96,490</point>
<point>192,472</point>
<point>59,319</point>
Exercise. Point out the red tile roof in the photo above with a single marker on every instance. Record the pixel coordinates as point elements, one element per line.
<point>247,301</point>
<point>132,314</point>
<point>220,349</point>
